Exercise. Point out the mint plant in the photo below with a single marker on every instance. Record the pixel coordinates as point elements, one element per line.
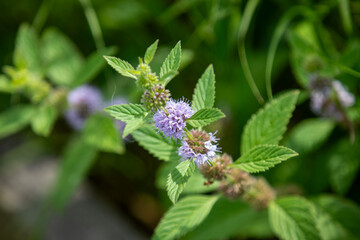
<point>172,130</point>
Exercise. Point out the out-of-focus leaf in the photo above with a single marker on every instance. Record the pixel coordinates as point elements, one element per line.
<point>100,132</point>
<point>293,218</point>
<point>229,219</point>
<point>77,159</point>
<point>310,134</point>
<point>43,120</point>
<point>93,64</point>
<point>15,119</point>
<point>27,50</point>
<point>62,58</point>
<point>343,165</point>
<point>337,218</point>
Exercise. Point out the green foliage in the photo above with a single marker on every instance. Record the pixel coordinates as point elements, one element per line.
<point>178,178</point>
<point>121,66</point>
<point>229,219</point>
<point>150,52</point>
<point>44,119</point>
<point>133,114</point>
<point>263,157</point>
<point>269,124</point>
<point>184,216</point>
<point>205,116</point>
<point>62,57</point>
<point>27,54</point>
<point>170,66</point>
<point>292,218</point>
<point>194,185</point>
<point>310,134</point>
<point>343,165</point>
<point>92,66</point>
<point>100,132</point>
<point>78,158</point>
<point>158,145</point>
<point>15,119</point>
<point>204,93</point>
<point>337,218</point>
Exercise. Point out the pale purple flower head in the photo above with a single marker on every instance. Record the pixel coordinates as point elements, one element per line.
<point>201,148</point>
<point>173,121</point>
<point>82,102</point>
<point>326,95</point>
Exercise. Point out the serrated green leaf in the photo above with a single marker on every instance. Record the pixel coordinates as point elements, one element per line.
<point>150,52</point>
<point>204,93</point>
<point>126,112</point>
<point>205,116</point>
<point>228,219</point>
<point>343,165</point>
<point>178,178</point>
<point>171,64</point>
<point>263,157</point>
<point>132,125</point>
<point>121,66</point>
<point>269,124</point>
<point>292,218</point>
<point>43,120</point>
<point>158,145</point>
<point>15,119</point>
<point>337,218</point>
<point>77,159</point>
<point>195,185</point>
<point>100,132</point>
<point>27,54</point>
<point>62,58</point>
<point>184,216</point>
<point>310,134</point>
<point>92,66</point>
<point>133,114</point>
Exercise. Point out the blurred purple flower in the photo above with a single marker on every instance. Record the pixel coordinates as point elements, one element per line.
<point>172,120</point>
<point>327,95</point>
<point>83,101</point>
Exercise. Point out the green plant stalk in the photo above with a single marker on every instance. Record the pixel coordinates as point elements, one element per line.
<point>93,23</point>
<point>345,16</point>
<point>244,26</point>
<point>42,14</point>
<point>279,32</point>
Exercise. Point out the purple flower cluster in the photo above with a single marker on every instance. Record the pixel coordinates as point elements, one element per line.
<point>201,147</point>
<point>171,120</point>
<point>82,102</point>
<point>329,97</point>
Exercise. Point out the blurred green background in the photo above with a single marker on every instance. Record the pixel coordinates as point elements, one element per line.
<point>209,33</point>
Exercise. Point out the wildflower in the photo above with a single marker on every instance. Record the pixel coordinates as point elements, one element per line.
<point>171,120</point>
<point>329,98</point>
<point>217,169</point>
<point>82,102</point>
<point>236,184</point>
<point>155,98</point>
<point>259,194</point>
<point>200,147</point>
<point>145,78</point>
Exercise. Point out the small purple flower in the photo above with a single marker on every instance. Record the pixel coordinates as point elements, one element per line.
<point>172,120</point>
<point>328,97</point>
<point>82,102</point>
<point>201,148</point>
